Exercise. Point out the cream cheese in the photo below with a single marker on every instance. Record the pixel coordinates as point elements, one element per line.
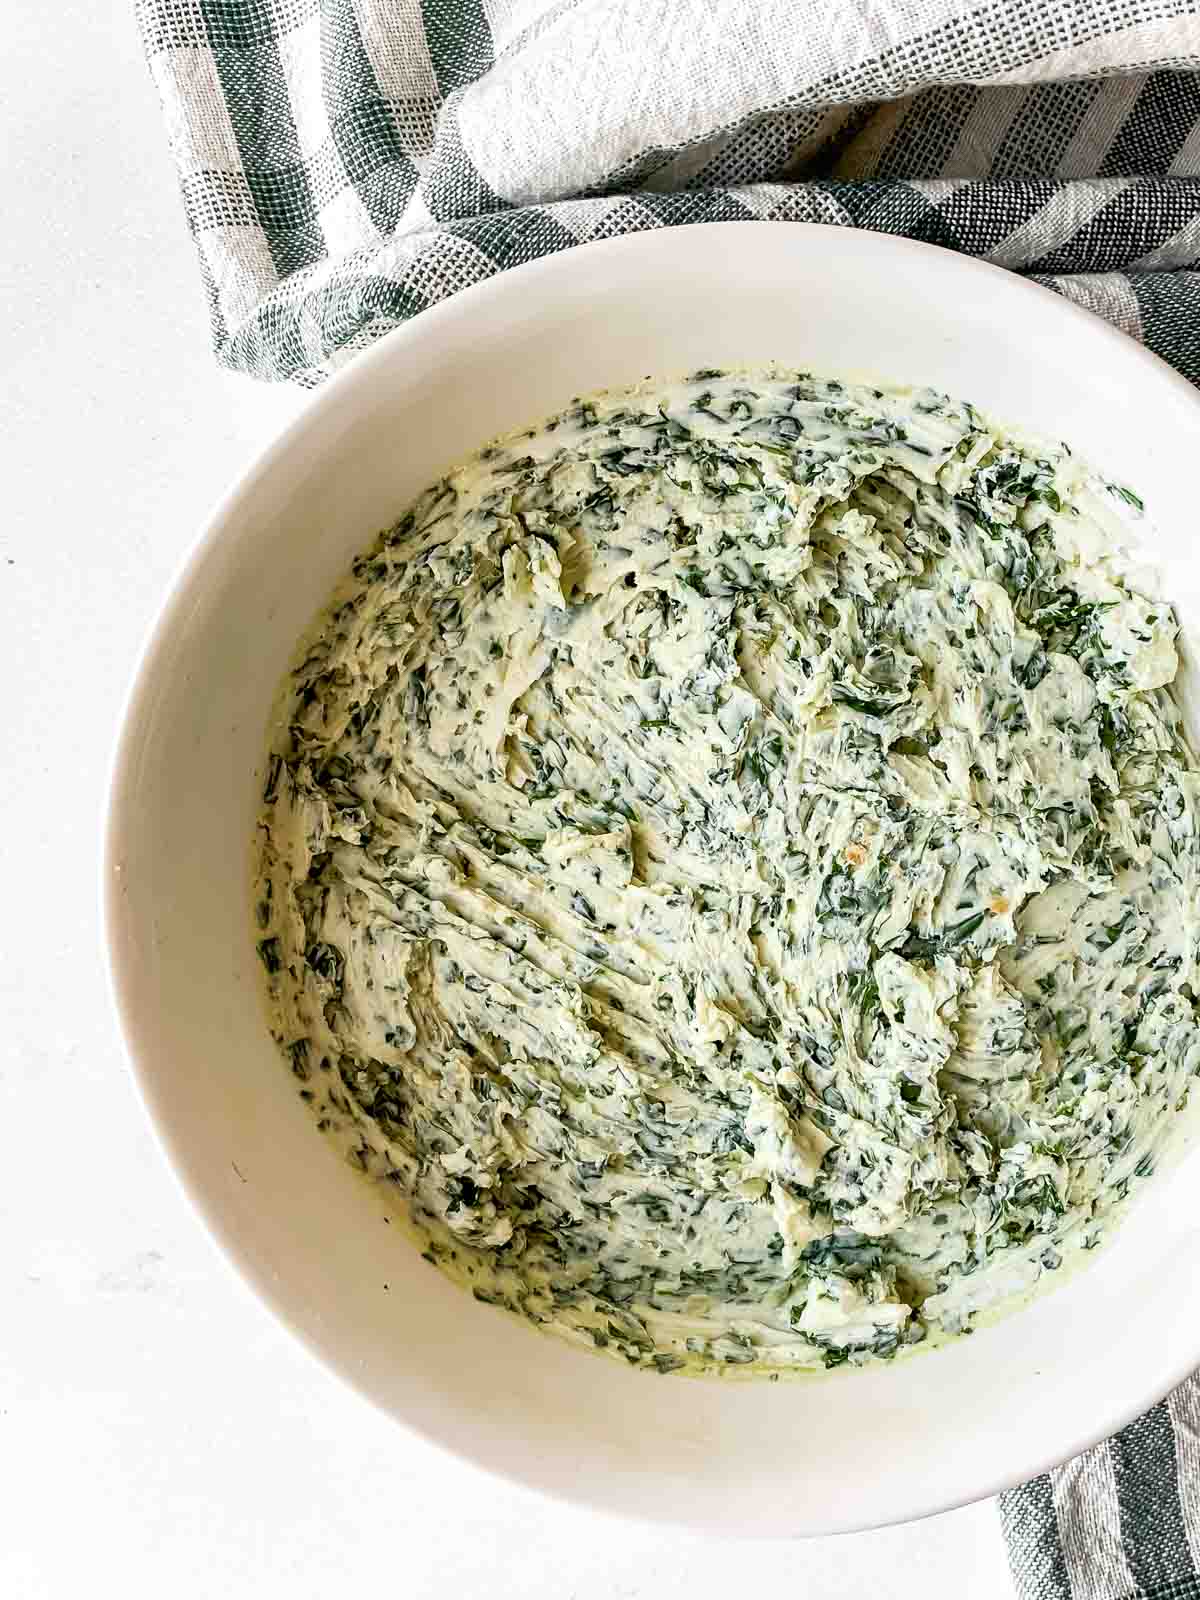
<point>730,858</point>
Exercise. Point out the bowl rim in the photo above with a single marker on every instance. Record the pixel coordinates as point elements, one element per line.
<point>219,527</point>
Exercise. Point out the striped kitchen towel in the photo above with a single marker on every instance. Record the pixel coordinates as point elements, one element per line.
<point>1121,1521</point>
<point>347,163</point>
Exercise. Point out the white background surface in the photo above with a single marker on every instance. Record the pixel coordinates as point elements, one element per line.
<point>159,1435</point>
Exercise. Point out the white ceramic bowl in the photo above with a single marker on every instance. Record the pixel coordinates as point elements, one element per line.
<point>846,1451</point>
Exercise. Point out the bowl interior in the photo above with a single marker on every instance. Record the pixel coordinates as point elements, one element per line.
<point>794,1457</point>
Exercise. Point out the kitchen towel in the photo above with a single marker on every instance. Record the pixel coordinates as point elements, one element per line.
<point>347,163</point>
<point>1119,1522</point>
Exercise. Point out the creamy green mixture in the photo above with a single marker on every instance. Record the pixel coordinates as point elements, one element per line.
<point>730,858</point>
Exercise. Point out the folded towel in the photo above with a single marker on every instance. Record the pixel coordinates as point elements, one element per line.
<point>347,163</point>
<point>1121,1521</point>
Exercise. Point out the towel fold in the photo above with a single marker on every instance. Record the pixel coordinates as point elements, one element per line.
<point>347,163</point>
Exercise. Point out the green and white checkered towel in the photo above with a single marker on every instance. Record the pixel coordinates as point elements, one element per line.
<point>1121,1521</point>
<point>346,163</point>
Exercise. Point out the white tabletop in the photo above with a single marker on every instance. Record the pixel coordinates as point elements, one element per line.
<point>158,1431</point>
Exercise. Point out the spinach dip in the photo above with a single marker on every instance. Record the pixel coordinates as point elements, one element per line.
<point>729,858</point>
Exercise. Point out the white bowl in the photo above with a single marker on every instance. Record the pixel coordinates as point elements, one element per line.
<point>811,1456</point>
